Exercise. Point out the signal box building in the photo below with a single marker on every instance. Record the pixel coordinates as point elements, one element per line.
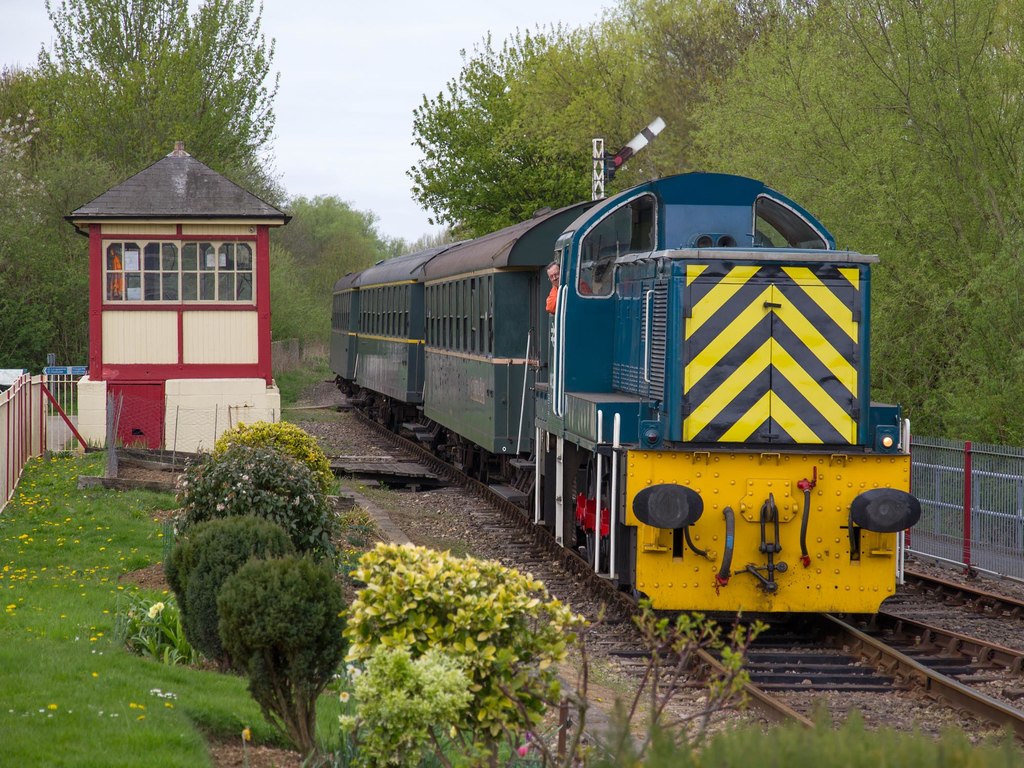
<point>179,307</point>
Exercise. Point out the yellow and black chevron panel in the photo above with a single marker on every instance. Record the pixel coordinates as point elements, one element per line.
<point>771,353</point>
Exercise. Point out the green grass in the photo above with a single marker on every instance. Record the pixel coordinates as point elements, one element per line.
<point>69,694</point>
<point>294,383</point>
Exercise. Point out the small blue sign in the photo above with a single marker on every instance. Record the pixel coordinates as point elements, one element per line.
<point>66,370</point>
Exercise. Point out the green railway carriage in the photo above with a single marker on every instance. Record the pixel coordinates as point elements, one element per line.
<point>486,334</point>
<point>378,328</point>
<point>344,328</point>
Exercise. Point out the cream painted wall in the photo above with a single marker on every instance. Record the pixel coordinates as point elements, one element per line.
<point>140,337</point>
<point>196,411</point>
<point>92,411</point>
<point>220,337</point>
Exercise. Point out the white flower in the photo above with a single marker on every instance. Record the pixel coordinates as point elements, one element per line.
<point>155,610</point>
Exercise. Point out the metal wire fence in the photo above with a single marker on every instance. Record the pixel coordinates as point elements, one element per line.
<point>972,504</point>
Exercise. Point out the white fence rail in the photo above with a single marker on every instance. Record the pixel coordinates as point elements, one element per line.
<point>31,422</point>
<point>22,430</point>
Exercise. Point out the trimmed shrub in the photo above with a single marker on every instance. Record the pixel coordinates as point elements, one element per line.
<point>261,482</point>
<point>281,623</point>
<point>284,437</point>
<point>502,627</point>
<point>199,565</point>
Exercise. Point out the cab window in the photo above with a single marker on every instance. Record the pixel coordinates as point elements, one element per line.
<point>627,229</point>
<point>779,226</point>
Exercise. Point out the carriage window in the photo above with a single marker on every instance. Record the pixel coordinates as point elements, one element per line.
<point>629,229</point>
<point>779,226</point>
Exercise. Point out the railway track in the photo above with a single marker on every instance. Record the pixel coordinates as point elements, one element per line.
<point>956,593</point>
<point>893,669</point>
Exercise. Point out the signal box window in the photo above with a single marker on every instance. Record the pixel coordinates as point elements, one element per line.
<point>779,226</point>
<point>628,229</point>
<point>162,271</point>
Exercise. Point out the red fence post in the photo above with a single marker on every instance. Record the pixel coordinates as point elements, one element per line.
<point>967,504</point>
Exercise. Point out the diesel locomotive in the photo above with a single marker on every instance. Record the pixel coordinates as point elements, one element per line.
<point>694,418</point>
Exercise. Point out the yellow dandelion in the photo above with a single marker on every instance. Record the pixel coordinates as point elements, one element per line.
<point>246,734</point>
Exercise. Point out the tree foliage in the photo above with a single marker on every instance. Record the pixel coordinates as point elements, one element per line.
<point>898,123</point>
<point>43,263</point>
<point>126,78</point>
<point>199,565</point>
<point>513,132</point>
<point>285,438</point>
<point>243,480</point>
<point>325,240</point>
<point>479,171</point>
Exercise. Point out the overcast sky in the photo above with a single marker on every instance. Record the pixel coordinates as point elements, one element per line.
<point>351,75</point>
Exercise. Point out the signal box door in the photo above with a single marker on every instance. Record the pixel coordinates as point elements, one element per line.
<point>771,354</point>
<point>139,413</point>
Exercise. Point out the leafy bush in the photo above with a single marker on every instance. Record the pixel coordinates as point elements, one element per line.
<point>401,700</point>
<point>199,565</point>
<point>502,627</point>
<point>281,623</point>
<point>261,482</point>
<point>150,627</point>
<point>284,437</point>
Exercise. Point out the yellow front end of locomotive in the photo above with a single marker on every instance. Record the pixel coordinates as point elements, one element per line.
<point>843,572</point>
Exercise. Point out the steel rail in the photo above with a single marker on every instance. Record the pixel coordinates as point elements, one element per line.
<point>956,590</point>
<point>772,707</point>
<point>916,673</point>
<point>949,641</point>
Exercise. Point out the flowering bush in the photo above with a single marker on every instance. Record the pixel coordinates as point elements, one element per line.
<point>199,565</point>
<point>281,622</point>
<point>286,438</point>
<point>261,482</point>
<point>153,628</point>
<point>504,629</point>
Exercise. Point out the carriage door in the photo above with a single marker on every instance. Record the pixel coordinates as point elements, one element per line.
<point>771,354</point>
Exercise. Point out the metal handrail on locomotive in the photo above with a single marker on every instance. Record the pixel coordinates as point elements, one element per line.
<point>694,419</point>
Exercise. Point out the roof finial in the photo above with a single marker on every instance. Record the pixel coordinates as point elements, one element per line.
<point>179,150</point>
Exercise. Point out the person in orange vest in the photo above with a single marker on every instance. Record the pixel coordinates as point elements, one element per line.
<point>553,272</point>
<point>116,285</point>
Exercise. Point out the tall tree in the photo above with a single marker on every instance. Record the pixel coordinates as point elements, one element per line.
<point>479,172</point>
<point>126,78</point>
<point>899,123</point>
<point>512,133</point>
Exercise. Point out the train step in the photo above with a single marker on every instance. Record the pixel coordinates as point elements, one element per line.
<point>509,493</point>
<point>412,426</point>
<point>522,463</point>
